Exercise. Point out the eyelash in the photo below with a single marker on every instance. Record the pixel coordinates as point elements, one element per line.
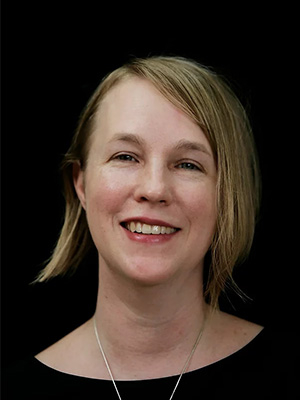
<point>125,157</point>
<point>189,165</point>
<point>194,167</point>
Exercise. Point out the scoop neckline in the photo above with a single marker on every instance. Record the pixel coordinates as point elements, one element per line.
<point>216,363</point>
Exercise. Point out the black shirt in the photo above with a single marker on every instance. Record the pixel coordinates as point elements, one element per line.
<point>263,369</point>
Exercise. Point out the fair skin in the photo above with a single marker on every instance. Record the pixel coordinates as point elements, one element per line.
<point>149,167</point>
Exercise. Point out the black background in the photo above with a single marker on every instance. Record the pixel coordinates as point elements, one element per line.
<point>53,59</point>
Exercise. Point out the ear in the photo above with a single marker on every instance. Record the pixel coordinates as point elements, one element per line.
<point>78,180</point>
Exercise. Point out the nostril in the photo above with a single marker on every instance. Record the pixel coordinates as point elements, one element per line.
<point>143,198</point>
<point>147,192</point>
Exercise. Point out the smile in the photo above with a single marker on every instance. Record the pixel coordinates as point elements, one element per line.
<point>140,227</point>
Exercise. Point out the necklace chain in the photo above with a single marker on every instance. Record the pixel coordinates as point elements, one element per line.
<point>180,376</point>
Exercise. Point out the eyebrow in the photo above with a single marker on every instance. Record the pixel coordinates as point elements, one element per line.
<point>183,144</point>
<point>128,137</point>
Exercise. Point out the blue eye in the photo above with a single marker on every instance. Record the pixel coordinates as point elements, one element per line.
<point>188,165</point>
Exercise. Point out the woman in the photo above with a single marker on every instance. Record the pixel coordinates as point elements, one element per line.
<point>162,177</point>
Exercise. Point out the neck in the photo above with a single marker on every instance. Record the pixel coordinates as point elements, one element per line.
<point>142,325</point>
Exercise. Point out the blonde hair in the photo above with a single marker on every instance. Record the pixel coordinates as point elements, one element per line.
<point>209,101</point>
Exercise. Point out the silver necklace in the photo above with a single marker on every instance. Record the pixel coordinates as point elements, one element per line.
<point>183,369</point>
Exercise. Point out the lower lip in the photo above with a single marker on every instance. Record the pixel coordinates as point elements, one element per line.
<point>150,239</point>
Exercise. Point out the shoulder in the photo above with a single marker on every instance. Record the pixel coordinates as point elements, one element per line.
<point>244,344</point>
<point>248,356</point>
<point>235,333</point>
<point>73,354</point>
<point>32,379</point>
<point>229,333</point>
<point>27,378</point>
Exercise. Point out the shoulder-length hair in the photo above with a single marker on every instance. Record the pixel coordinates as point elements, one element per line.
<point>207,99</point>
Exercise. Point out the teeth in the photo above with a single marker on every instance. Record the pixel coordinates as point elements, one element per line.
<point>146,229</point>
<point>149,229</point>
<point>132,226</point>
<point>155,230</point>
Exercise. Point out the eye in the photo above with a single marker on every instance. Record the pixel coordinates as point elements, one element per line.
<point>124,157</point>
<point>189,166</point>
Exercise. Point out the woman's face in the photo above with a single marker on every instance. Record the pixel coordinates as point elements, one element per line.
<point>149,187</point>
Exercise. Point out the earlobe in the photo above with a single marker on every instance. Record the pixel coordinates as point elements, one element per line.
<point>78,180</point>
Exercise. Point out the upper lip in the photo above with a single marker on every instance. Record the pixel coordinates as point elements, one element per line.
<point>150,221</point>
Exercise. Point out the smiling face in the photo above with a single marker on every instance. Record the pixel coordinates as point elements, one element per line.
<point>149,186</point>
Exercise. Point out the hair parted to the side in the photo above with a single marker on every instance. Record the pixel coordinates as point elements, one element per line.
<point>209,102</point>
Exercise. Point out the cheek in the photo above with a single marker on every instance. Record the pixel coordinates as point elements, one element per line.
<point>202,206</point>
<point>105,195</point>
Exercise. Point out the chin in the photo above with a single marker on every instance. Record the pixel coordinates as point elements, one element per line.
<point>149,275</point>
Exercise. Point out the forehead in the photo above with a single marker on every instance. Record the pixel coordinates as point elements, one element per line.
<point>135,106</point>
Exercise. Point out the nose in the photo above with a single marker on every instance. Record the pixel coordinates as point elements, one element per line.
<point>153,185</point>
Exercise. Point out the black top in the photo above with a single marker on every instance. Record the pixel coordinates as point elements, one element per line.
<point>263,369</point>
